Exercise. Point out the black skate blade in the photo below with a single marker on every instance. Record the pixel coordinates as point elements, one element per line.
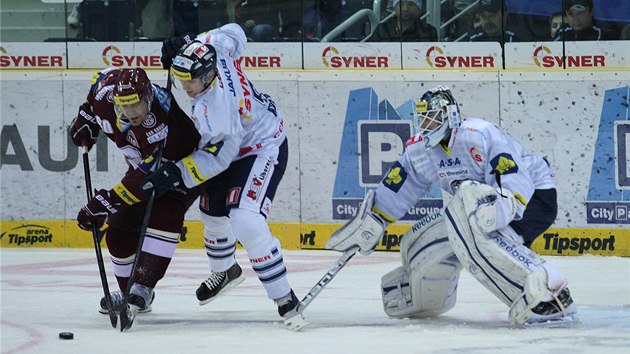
<point>113,318</point>
<point>126,318</point>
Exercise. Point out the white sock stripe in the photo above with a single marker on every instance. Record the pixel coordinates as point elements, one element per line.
<point>123,261</point>
<point>164,234</point>
<point>159,247</point>
<point>161,238</point>
<point>121,270</point>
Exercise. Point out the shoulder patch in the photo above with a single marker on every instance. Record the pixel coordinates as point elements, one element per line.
<point>395,178</point>
<point>503,164</point>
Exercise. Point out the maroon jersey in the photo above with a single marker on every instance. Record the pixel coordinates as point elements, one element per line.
<point>139,145</point>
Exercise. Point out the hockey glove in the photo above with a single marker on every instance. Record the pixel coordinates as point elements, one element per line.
<point>95,213</point>
<point>171,46</point>
<point>84,129</point>
<point>163,180</point>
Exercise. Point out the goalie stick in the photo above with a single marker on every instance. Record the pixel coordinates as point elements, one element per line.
<point>97,243</point>
<point>294,319</point>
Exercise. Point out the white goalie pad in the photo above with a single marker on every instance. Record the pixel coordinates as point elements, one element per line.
<point>364,230</point>
<point>511,271</point>
<point>426,283</point>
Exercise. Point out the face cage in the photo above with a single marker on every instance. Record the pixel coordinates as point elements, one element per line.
<point>432,125</point>
<point>120,114</point>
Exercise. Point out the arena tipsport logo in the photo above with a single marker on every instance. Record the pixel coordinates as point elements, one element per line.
<point>333,59</point>
<point>543,57</point>
<point>436,58</point>
<point>112,56</point>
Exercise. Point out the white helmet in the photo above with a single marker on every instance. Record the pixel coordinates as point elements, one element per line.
<point>435,114</point>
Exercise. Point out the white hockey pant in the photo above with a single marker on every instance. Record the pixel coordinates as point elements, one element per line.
<point>263,249</point>
<point>426,283</point>
<point>219,241</point>
<point>499,261</point>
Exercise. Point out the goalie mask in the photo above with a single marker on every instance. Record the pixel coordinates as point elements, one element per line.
<point>132,95</point>
<point>195,61</point>
<point>435,114</point>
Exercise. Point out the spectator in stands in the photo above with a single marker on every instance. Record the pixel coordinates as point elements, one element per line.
<point>493,14</point>
<point>580,24</point>
<point>321,17</point>
<point>260,19</point>
<point>406,25</point>
<point>555,23</point>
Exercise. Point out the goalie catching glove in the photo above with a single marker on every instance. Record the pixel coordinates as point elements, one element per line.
<point>364,230</point>
<point>492,209</point>
<point>95,213</point>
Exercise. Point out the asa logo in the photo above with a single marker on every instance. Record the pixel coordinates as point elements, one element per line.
<point>29,61</point>
<point>112,57</point>
<point>332,59</point>
<point>544,58</point>
<point>436,58</point>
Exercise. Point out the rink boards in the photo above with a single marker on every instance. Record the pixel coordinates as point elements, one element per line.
<point>556,241</point>
<point>345,129</point>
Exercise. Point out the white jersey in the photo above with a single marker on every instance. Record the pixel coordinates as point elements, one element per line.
<point>480,151</point>
<point>233,119</point>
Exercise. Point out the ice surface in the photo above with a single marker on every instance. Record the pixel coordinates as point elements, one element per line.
<point>47,291</point>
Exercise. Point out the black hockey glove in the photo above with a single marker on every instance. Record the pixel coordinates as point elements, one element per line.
<point>163,180</point>
<point>95,213</point>
<point>170,46</point>
<point>84,129</point>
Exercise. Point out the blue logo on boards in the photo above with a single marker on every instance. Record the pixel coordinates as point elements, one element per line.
<point>374,136</point>
<point>608,200</point>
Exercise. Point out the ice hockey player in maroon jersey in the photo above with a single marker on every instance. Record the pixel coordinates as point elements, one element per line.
<point>137,116</point>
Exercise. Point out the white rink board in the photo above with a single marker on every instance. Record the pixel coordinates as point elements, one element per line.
<point>555,114</point>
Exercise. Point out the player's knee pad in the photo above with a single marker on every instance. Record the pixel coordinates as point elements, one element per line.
<point>426,284</point>
<point>511,271</point>
<point>263,249</point>
<point>219,241</point>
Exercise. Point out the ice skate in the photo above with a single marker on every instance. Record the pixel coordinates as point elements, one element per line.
<point>219,282</point>
<point>558,312</point>
<point>139,297</point>
<point>117,303</point>
<point>288,307</point>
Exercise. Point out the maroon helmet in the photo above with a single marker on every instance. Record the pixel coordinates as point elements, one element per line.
<point>132,86</point>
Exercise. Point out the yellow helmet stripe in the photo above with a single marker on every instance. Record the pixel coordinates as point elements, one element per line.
<point>127,100</point>
<point>180,74</point>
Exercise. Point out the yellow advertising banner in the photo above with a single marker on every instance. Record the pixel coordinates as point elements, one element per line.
<point>554,242</point>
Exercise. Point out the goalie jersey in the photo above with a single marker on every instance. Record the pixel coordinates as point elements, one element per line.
<point>479,151</point>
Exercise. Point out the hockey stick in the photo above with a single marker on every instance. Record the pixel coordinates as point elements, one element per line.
<point>97,245</point>
<point>294,320</point>
<point>125,319</point>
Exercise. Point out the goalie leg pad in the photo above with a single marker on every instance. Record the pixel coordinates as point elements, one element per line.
<point>426,284</point>
<point>512,272</point>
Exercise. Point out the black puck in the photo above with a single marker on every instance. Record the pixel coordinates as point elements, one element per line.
<point>66,335</point>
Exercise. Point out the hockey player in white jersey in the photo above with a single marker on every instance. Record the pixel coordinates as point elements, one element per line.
<point>503,197</point>
<point>242,155</point>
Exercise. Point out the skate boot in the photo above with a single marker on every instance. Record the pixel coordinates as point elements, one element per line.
<point>139,297</point>
<point>286,303</point>
<point>218,283</point>
<point>117,303</point>
<point>561,310</point>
